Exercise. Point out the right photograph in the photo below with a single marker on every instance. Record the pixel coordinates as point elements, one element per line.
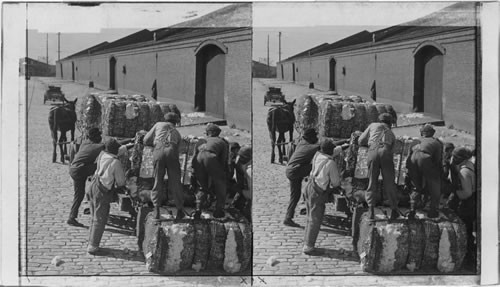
<point>365,134</point>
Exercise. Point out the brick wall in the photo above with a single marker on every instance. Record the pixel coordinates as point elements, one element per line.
<point>174,67</point>
<point>392,67</point>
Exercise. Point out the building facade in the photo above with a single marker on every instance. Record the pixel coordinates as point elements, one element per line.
<point>199,69</point>
<point>433,69</point>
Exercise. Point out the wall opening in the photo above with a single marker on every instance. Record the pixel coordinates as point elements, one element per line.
<point>293,72</point>
<point>282,75</point>
<point>428,82</point>
<point>332,65</point>
<point>210,78</point>
<point>61,68</point>
<point>73,71</point>
<point>112,73</point>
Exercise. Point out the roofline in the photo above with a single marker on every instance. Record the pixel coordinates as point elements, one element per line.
<point>376,44</point>
<point>155,43</point>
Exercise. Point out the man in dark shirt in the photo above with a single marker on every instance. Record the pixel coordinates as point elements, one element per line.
<point>212,164</point>
<point>424,168</point>
<point>83,166</point>
<point>299,166</point>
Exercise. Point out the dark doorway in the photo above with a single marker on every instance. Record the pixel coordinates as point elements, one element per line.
<point>428,81</point>
<point>61,68</point>
<point>73,71</point>
<point>333,63</point>
<point>293,72</point>
<point>210,73</point>
<point>112,73</point>
<point>282,75</point>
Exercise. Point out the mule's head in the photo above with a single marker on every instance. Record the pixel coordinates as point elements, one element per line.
<point>70,104</point>
<point>289,105</point>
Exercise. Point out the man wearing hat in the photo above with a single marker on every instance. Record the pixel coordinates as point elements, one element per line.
<point>166,141</point>
<point>211,164</point>
<point>298,167</point>
<point>83,166</point>
<point>109,175</point>
<point>243,199</point>
<point>425,169</point>
<point>380,141</point>
<point>465,183</point>
<point>323,179</point>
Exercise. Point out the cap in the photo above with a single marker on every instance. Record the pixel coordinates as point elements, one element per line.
<point>172,117</point>
<point>327,146</point>
<point>111,145</point>
<point>93,133</point>
<point>427,130</point>
<point>245,154</point>
<point>234,145</point>
<point>213,129</point>
<point>461,154</point>
<point>310,135</point>
<point>385,118</point>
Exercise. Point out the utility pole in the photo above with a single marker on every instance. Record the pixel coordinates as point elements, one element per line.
<point>279,51</point>
<point>268,55</point>
<point>47,50</point>
<point>59,46</point>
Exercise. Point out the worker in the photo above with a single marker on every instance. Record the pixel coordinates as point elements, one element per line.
<point>83,166</point>
<point>232,177</point>
<point>446,186</point>
<point>465,182</point>
<point>425,170</point>
<point>211,164</point>
<point>166,141</point>
<point>298,167</point>
<point>323,179</point>
<point>108,177</point>
<point>380,140</point>
<point>243,167</point>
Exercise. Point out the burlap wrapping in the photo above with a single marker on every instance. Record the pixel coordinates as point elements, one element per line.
<point>217,245</point>
<point>202,245</point>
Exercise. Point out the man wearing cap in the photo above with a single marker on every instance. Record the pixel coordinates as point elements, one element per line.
<point>424,168</point>
<point>212,164</point>
<point>109,175</point>
<point>83,166</point>
<point>323,179</point>
<point>380,141</point>
<point>166,141</point>
<point>298,167</point>
<point>243,199</point>
<point>465,182</point>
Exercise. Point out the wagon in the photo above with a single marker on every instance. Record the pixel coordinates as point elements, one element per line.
<point>53,94</point>
<point>274,94</point>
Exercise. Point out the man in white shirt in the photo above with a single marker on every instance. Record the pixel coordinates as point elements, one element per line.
<point>166,141</point>
<point>108,176</point>
<point>324,177</point>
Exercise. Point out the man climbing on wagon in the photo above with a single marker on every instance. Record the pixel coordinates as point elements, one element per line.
<point>299,166</point>
<point>425,170</point>
<point>323,179</point>
<point>166,141</point>
<point>380,141</point>
<point>211,164</point>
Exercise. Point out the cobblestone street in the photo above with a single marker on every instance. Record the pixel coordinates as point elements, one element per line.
<point>284,244</point>
<point>49,195</point>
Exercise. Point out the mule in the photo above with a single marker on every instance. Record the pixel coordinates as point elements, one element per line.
<point>62,118</point>
<point>280,119</point>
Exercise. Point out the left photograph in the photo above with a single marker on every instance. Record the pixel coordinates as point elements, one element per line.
<point>138,140</point>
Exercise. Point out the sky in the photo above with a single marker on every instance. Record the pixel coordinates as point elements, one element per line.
<point>83,27</point>
<point>303,24</point>
<point>306,25</point>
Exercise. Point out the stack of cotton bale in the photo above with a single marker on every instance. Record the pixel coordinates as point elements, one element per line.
<point>336,116</point>
<point>123,115</point>
<point>423,244</point>
<point>205,245</point>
